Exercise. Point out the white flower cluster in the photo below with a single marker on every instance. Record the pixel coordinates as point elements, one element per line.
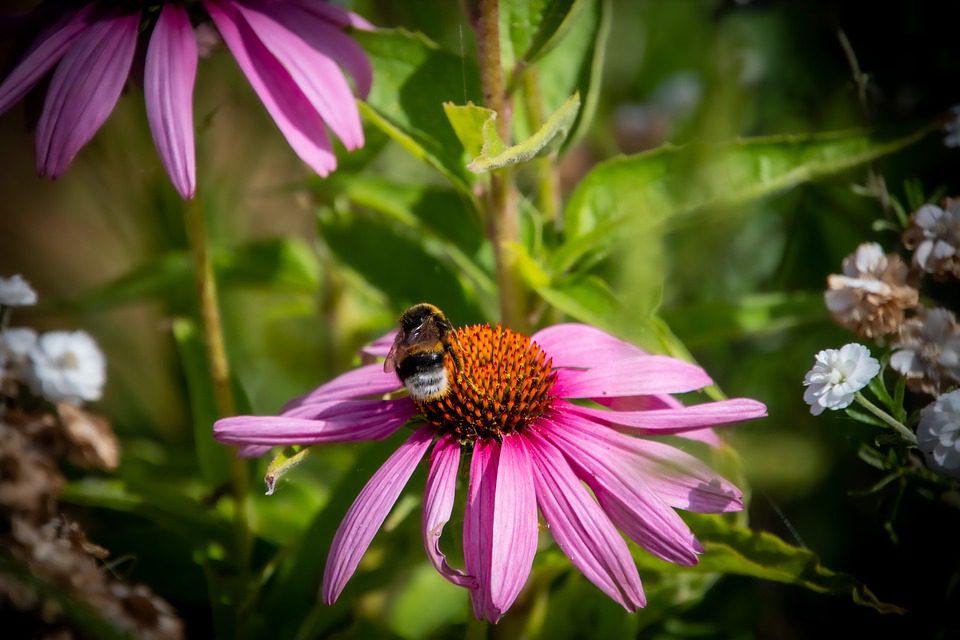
<point>836,377</point>
<point>61,366</point>
<point>938,434</point>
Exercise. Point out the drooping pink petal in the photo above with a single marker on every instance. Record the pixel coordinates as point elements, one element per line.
<point>369,510</point>
<point>45,52</point>
<point>380,347</point>
<point>669,421</point>
<point>169,73</point>
<point>335,15</point>
<point>296,117</point>
<point>438,500</point>
<point>647,403</point>
<point>514,535</point>
<point>252,450</point>
<point>359,420</point>
<point>478,525</point>
<point>317,76</point>
<point>624,496</point>
<point>641,375</point>
<point>681,480</point>
<point>581,528</point>
<point>84,89</point>
<point>325,38</point>
<point>582,346</point>
<point>365,381</point>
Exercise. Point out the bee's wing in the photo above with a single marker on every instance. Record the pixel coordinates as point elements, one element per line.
<point>390,364</point>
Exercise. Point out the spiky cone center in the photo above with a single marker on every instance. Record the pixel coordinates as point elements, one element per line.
<point>500,382</point>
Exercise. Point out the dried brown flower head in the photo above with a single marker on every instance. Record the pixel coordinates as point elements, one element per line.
<point>927,351</point>
<point>91,440</point>
<point>870,296</point>
<point>934,235</point>
<point>29,481</point>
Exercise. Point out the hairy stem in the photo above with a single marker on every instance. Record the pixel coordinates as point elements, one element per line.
<point>219,365</point>
<point>501,201</point>
<point>887,419</point>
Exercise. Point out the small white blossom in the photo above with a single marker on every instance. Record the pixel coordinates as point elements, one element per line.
<point>67,366</point>
<point>837,375</point>
<point>16,292</point>
<point>15,347</point>
<point>938,434</point>
<point>934,234</point>
<point>927,351</point>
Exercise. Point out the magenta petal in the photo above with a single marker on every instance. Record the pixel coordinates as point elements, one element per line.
<point>680,419</point>
<point>45,52</point>
<point>317,76</point>
<point>640,375</point>
<point>647,403</point>
<point>478,526</point>
<point>325,38</point>
<point>515,524</point>
<point>438,505</point>
<point>380,347</point>
<point>296,117</point>
<point>252,450</point>
<point>84,89</point>
<point>680,479</point>
<point>581,528</point>
<point>359,420</point>
<point>335,15</point>
<point>368,380</point>
<point>369,510</point>
<point>624,495</point>
<point>583,346</point>
<point>169,74</point>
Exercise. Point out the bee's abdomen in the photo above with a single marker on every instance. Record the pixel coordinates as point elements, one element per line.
<point>424,375</point>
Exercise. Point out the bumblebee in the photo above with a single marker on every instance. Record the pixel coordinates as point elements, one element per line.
<point>419,351</point>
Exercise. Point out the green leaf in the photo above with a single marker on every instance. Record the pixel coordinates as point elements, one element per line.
<point>530,29</point>
<point>280,465</point>
<point>476,127</point>
<point>494,155</point>
<point>666,183</point>
<point>733,549</point>
<point>414,77</point>
<point>213,457</point>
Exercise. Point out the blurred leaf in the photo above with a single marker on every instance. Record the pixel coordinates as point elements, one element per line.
<point>733,549</point>
<point>530,29</point>
<point>281,464</point>
<point>414,77</point>
<point>584,298</point>
<point>213,458</point>
<point>666,183</point>
<point>574,65</point>
<point>395,262</point>
<point>283,264</point>
<point>748,316</point>
<point>553,132</point>
<point>155,502</point>
<point>409,618</point>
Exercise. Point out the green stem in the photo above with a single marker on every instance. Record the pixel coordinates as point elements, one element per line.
<point>887,419</point>
<point>501,201</point>
<point>219,365</point>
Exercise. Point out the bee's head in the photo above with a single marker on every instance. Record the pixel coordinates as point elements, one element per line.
<point>420,316</point>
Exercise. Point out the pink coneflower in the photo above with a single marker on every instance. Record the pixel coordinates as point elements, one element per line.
<point>290,51</point>
<point>509,415</point>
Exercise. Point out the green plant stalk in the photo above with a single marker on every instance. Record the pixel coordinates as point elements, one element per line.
<point>219,364</point>
<point>887,419</point>
<point>501,202</point>
<point>548,191</point>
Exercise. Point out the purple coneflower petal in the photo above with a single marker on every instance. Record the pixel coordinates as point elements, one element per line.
<point>45,52</point>
<point>380,347</point>
<point>84,89</point>
<point>369,510</point>
<point>335,15</point>
<point>581,528</point>
<point>375,420</point>
<point>681,480</point>
<point>648,403</point>
<point>368,380</point>
<point>325,38</point>
<point>296,117</point>
<point>623,494</point>
<point>669,421</point>
<point>317,76</point>
<point>478,526</point>
<point>169,74</point>
<point>583,346</point>
<point>438,501</point>
<point>640,375</point>
<point>252,450</point>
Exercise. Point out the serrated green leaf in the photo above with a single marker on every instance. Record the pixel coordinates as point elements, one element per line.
<point>476,127</point>
<point>414,77</point>
<point>494,155</point>
<point>282,463</point>
<point>733,549</point>
<point>666,183</point>
<point>535,27</point>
